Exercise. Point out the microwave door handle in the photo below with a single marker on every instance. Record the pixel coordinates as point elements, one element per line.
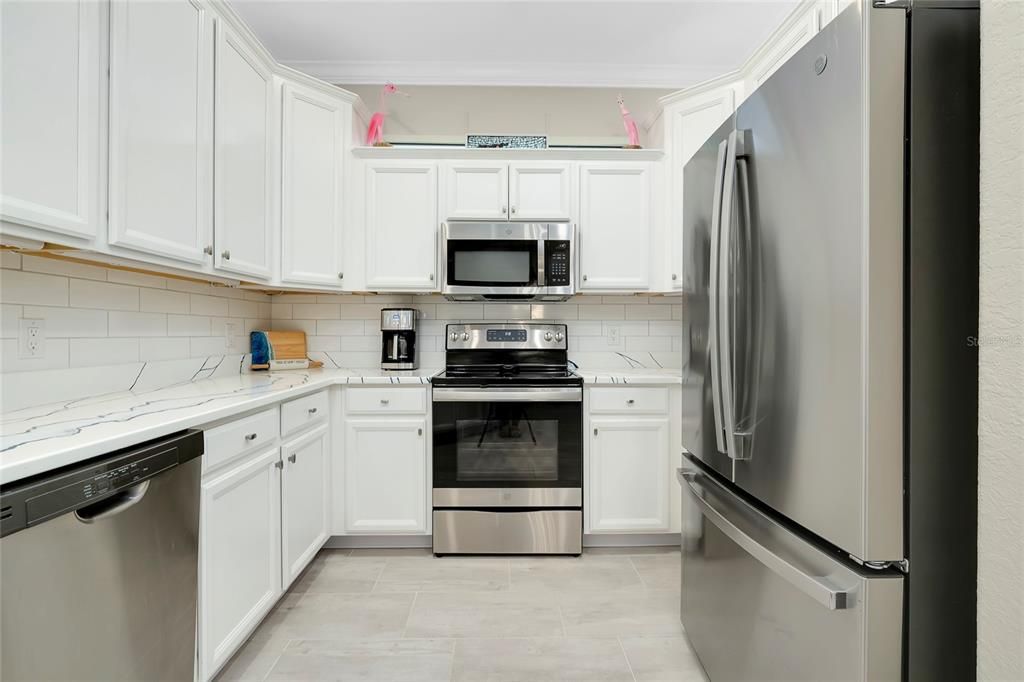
<point>541,275</point>
<point>713,296</point>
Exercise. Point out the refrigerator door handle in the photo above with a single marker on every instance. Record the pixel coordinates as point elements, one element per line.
<point>714,296</point>
<point>813,586</point>
<point>725,294</point>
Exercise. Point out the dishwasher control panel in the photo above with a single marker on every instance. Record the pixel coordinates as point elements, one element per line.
<point>93,487</point>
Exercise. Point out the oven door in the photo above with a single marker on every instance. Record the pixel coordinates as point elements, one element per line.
<point>493,259</point>
<point>508,447</point>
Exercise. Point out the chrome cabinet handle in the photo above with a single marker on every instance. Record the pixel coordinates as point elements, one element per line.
<point>250,436</point>
<point>226,255</point>
<point>630,401</point>
<point>312,410</point>
<point>291,458</point>
<point>384,401</point>
<point>208,250</point>
<point>279,464</point>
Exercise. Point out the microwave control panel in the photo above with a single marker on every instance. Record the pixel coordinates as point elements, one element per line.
<point>556,263</point>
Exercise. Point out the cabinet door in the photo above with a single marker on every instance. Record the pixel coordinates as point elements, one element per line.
<point>303,500</point>
<point>239,556</point>
<point>50,135</point>
<point>386,475</point>
<point>476,190</point>
<point>242,153</point>
<point>615,226</point>
<point>401,225</point>
<point>540,191</point>
<point>692,123</point>
<point>628,475</point>
<point>161,127</point>
<point>312,152</point>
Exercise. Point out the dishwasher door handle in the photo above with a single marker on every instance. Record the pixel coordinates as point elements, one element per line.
<point>115,504</point>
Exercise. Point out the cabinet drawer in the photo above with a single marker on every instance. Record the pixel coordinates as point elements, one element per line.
<point>302,412</point>
<point>240,437</point>
<point>385,400</point>
<point>627,400</point>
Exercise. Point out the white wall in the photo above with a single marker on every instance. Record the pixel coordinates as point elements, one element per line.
<point>1001,358</point>
<point>569,116</point>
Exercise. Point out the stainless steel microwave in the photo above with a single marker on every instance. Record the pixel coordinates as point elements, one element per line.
<point>508,261</point>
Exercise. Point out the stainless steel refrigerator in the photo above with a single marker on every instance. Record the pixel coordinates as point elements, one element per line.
<point>830,397</point>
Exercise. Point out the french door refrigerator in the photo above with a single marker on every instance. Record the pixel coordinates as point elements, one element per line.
<point>830,398</point>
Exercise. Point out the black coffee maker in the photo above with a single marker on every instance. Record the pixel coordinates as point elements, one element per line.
<point>398,338</point>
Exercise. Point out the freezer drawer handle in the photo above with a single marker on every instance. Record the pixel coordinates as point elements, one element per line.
<point>812,586</point>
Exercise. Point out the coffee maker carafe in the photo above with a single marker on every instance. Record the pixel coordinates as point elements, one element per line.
<point>398,338</point>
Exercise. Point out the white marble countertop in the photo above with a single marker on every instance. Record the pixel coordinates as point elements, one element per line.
<point>38,439</point>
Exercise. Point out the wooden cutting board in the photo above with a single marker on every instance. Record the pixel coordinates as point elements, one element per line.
<point>280,347</point>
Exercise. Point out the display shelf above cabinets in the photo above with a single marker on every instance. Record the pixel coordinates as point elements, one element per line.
<point>446,152</point>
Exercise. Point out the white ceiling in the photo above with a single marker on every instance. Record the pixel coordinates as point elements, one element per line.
<point>514,42</point>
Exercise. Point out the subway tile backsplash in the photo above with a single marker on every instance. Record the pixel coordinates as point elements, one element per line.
<point>605,332</point>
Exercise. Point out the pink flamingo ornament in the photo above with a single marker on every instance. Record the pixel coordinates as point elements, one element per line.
<point>629,124</point>
<point>375,133</point>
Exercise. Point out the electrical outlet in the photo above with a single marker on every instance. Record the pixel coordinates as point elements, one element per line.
<point>230,332</point>
<point>31,338</point>
<point>614,332</point>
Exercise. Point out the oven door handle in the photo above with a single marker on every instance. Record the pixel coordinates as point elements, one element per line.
<point>562,394</point>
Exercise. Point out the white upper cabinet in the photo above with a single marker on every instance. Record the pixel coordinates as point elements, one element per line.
<point>615,226</point>
<point>304,485</point>
<point>312,183</point>
<point>242,155</point>
<point>161,128</point>
<point>401,225</point>
<point>689,122</point>
<point>476,190</point>
<point>497,190</point>
<point>540,191</point>
<point>53,79</point>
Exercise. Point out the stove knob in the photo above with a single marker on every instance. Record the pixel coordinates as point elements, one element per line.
<point>559,336</point>
<point>465,336</point>
<point>454,336</point>
<point>547,336</point>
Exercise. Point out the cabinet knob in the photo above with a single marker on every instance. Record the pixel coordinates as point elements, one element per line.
<point>595,432</point>
<point>431,277</point>
<point>208,250</point>
<point>341,275</point>
<point>547,336</point>
<point>513,210</point>
<point>291,458</point>
<point>674,276</point>
<point>384,401</point>
<point>630,401</point>
<point>584,278</point>
<point>504,210</point>
<point>226,255</point>
<point>279,464</point>
<point>312,410</point>
<point>250,436</point>
<point>419,432</point>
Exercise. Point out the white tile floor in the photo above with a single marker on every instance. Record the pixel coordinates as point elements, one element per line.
<point>403,615</point>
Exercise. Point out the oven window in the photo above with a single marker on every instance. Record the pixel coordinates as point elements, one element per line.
<point>483,262</point>
<point>507,444</point>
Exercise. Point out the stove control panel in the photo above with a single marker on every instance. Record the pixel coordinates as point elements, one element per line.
<point>507,336</point>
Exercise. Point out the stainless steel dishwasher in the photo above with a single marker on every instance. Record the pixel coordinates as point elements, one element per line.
<point>99,567</point>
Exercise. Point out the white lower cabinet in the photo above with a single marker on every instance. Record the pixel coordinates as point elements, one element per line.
<point>240,555</point>
<point>386,475</point>
<point>628,475</point>
<point>304,486</point>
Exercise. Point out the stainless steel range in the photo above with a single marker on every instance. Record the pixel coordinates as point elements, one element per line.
<point>508,442</point>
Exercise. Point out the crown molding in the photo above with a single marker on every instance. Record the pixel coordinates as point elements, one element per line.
<point>503,74</point>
